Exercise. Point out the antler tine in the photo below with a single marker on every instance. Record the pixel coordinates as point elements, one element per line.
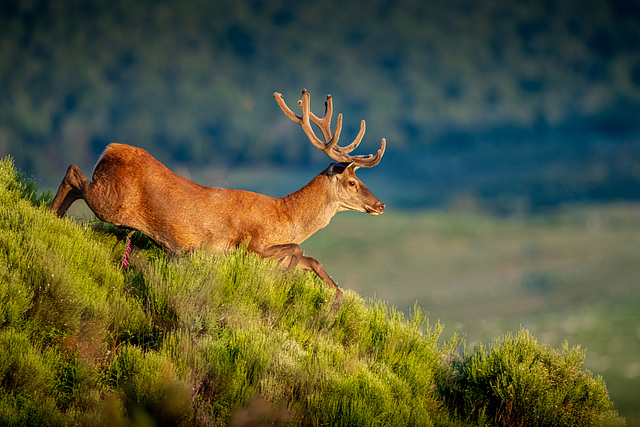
<point>286,110</point>
<point>372,160</point>
<point>330,147</point>
<point>349,148</point>
<point>324,123</point>
<point>369,160</point>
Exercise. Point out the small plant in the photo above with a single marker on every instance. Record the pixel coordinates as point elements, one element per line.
<point>517,382</point>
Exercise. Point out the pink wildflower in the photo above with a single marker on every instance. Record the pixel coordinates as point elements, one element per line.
<point>127,252</point>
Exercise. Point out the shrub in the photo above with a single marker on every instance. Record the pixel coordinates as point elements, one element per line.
<point>516,382</point>
<point>148,385</point>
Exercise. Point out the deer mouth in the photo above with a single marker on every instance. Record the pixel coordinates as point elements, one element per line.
<point>375,210</point>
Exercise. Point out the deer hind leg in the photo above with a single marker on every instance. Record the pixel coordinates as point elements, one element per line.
<point>72,188</point>
<point>291,256</point>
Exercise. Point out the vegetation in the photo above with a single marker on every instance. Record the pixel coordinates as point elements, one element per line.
<point>570,274</point>
<point>231,338</point>
<point>520,103</point>
<point>501,385</point>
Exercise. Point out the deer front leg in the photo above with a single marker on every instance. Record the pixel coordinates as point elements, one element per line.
<point>293,253</point>
<point>71,189</point>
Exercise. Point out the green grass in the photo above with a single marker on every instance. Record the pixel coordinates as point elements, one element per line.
<point>230,338</point>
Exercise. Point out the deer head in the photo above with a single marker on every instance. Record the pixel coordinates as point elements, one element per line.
<point>351,193</point>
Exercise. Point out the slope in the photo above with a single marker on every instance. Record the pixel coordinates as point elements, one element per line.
<point>232,339</point>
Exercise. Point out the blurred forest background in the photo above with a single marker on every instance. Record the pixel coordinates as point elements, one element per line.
<point>507,105</point>
<point>526,110</point>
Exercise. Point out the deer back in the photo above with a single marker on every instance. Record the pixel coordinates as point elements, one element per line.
<point>131,188</point>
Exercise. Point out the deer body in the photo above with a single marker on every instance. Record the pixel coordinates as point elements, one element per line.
<point>130,188</point>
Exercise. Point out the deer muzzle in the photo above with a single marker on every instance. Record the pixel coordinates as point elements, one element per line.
<point>376,209</point>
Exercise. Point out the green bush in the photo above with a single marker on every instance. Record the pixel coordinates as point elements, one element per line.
<point>27,381</point>
<point>149,387</point>
<point>517,382</point>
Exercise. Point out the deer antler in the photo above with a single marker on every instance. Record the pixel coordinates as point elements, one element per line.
<point>330,147</point>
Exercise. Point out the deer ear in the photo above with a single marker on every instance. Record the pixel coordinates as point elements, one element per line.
<point>338,168</point>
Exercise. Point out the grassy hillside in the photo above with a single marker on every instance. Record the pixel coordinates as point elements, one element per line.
<point>231,339</point>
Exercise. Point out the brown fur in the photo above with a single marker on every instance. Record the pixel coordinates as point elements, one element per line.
<point>132,189</point>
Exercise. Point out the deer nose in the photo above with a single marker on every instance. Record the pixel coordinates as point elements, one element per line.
<point>376,209</point>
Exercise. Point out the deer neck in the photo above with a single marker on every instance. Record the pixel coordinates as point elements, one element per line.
<point>311,208</point>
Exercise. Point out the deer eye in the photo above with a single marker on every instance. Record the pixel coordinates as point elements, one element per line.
<point>352,183</point>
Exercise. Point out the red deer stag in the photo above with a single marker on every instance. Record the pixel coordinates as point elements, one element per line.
<point>132,189</point>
